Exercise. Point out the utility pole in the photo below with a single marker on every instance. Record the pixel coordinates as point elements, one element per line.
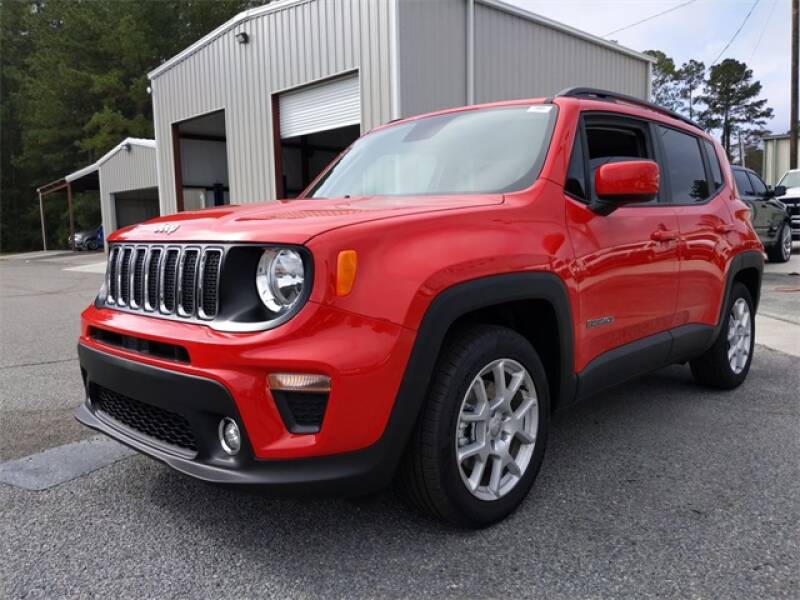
<point>794,110</point>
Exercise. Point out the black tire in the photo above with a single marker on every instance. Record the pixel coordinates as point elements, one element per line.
<point>429,476</point>
<point>91,245</point>
<point>713,369</point>
<point>778,252</point>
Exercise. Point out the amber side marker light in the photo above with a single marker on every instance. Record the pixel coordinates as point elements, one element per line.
<point>346,266</point>
<point>300,382</point>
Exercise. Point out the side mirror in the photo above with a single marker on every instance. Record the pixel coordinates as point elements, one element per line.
<point>778,190</point>
<point>620,183</point>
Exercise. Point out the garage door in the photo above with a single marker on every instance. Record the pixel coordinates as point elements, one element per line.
<point>329,105</point>
<point>132,210</point>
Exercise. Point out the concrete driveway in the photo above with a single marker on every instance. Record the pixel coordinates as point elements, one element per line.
<point>658,488</point>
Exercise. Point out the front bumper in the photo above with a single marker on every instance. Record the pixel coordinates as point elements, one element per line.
<point>203,403</point>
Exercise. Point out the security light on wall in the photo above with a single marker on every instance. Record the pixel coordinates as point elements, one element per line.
<point>242,37</point>
<point>126,147</point>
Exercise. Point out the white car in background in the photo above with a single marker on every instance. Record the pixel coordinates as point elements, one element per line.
<point>791,181</point>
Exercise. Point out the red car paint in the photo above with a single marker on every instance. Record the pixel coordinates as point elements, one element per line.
<point>652,269</point>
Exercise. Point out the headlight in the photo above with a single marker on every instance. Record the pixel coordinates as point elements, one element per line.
<point>280,278</point>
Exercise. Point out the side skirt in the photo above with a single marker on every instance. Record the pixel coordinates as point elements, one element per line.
<point>643,356</point>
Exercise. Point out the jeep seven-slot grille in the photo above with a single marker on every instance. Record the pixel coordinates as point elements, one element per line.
<point>152,421</point>
<point>175,280</point>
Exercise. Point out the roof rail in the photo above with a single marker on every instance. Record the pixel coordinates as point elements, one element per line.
<point>598,94</point>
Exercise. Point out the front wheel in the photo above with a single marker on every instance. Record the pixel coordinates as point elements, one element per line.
<point>725,365</point>
<point>480,439</point>
<point>781,250</point>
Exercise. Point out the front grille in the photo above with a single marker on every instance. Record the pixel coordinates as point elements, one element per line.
<point>176,280</point>
<point>152,421</point>
<point>188,282</point>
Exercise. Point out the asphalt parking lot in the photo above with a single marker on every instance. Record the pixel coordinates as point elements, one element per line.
<point>656,489</point>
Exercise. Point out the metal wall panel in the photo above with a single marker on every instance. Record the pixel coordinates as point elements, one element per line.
<point>290,45</point>
<point>122,172</point>
<point>519,58</point>
<point>432,44</point>
<point>776,159</point>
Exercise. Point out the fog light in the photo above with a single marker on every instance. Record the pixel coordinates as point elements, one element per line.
<point>229,437</point>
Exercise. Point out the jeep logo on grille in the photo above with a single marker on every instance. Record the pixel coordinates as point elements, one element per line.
<point>166,228</point>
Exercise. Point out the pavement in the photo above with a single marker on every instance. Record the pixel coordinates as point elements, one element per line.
<point>657,488</point>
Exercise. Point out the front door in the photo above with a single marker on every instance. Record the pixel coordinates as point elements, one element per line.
<point>626,262</point>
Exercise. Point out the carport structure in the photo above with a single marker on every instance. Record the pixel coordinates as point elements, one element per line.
<point>126,180</point>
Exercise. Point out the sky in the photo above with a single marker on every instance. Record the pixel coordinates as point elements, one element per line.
<point>699,30</point>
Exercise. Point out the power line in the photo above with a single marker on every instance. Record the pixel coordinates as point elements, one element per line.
<point>760,37</point>
<point>736,33</point>
<point>663,12</point>
<point>763,29</point>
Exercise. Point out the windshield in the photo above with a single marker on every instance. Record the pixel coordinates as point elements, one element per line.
<point>791,179</point>
<point>491,150</point>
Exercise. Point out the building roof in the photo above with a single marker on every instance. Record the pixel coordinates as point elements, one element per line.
<point>776,136</point>
<point>144,143</point>
<point>252,13</point>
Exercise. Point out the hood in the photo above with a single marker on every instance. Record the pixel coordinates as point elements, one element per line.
<point>289,221</point>
<point>792,193</point>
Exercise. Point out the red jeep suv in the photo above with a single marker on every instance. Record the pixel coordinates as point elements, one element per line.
<point>418,313</point>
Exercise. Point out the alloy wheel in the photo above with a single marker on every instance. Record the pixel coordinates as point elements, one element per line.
<point>786,243</point>
<point>740,331</point>
<point>496,430</point>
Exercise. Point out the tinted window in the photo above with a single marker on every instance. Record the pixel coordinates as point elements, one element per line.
<point>490,150</point>
<point>617,141</point>
<point>685,169</point>
<point>743,183</point>
<point>790,179</point>
<point>758,186</point>
<point>713,160</point>
<point>576,175</point>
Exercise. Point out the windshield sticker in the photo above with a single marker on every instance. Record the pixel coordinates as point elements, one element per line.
<point>540,108</point>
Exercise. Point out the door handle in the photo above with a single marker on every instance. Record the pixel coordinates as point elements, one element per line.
<point>725,228</point>
<point>664,235</point>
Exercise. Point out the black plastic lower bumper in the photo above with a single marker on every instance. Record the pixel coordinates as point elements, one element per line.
<point>203,403</point>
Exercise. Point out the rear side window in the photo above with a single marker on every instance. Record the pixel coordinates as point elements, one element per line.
<point>759,188</point>
<point>713,161</point>
<point>743,183</point>
<point>685,169</point>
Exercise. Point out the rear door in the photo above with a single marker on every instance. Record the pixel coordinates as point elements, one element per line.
<point>626,262</point>
<point>759,218</point>
<point>695,185</point>
<point>771,211</point>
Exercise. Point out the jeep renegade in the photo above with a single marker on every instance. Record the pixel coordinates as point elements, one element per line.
<point>422,308</point>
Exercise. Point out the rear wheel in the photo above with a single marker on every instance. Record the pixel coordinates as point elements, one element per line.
<point>725,365</point>
<point>91,245</point>
<point>481,436</point>
<point>781,250</point>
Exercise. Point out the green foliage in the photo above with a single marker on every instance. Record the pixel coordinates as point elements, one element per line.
<point>732,104</point>
<point>722,99</point>
<point>666,91</point>
<point>73,83</point>
<point>691,77</point>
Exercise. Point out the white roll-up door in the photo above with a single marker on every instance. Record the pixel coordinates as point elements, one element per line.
<point>329,105</point>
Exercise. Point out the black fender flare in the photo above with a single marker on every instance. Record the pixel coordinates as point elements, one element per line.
<point>448,306</point>
<point>749,259</point>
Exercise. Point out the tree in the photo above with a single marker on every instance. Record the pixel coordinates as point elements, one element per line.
<point>666,92</point>
<point>73,84</point>
<point>731,102</point>
<point>691,77</point>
